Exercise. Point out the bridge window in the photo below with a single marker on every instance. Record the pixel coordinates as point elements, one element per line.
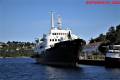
<point>52,39</point>
<point>59,33</point>
<point>52,33</point>
<point>55,39</point>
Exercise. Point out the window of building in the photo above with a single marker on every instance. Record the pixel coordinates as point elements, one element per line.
<point>41,47</point>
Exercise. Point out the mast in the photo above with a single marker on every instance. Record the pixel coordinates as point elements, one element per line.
<point>59,23</point>
<point>52,20</point>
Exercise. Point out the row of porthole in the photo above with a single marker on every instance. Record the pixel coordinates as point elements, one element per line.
<point>54,39</point>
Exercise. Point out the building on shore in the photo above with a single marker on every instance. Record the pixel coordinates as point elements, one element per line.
<point>91,51</point>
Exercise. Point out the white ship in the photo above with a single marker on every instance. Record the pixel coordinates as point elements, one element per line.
<point>59,47</point>
<point>112,57</point>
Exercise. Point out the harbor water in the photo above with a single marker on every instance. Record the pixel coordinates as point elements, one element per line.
<point>26,69</point>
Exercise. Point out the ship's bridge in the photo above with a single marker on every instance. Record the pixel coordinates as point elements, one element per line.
<point>57,35</point>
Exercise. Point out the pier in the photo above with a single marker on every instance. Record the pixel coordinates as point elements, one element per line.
<point>92,59</point>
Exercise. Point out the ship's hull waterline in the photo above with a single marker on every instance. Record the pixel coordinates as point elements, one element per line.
<point>64,54</point>
<point>56,64</point>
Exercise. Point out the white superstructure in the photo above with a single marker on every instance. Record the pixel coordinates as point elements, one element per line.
<point>55,35</point>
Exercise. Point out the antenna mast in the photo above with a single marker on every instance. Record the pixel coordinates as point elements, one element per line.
<point>52,20</point>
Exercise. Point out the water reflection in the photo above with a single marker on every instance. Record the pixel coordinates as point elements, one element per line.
<point>83,73</point>
<point>62,73</point>
<point>26,69</point>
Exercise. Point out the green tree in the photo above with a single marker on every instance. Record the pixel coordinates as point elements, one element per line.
<point>118,34</point>
<point>111,35</point>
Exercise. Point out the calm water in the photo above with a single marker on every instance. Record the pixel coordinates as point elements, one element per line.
<point>26,69</point>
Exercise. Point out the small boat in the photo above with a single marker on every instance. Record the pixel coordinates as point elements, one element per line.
<point>112,58</point>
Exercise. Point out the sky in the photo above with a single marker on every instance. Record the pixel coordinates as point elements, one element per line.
<point>25,20</point>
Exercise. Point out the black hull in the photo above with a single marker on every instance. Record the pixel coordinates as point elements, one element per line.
<point>56,64</point>
<point>112,62</point>
<point>64,54</point>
